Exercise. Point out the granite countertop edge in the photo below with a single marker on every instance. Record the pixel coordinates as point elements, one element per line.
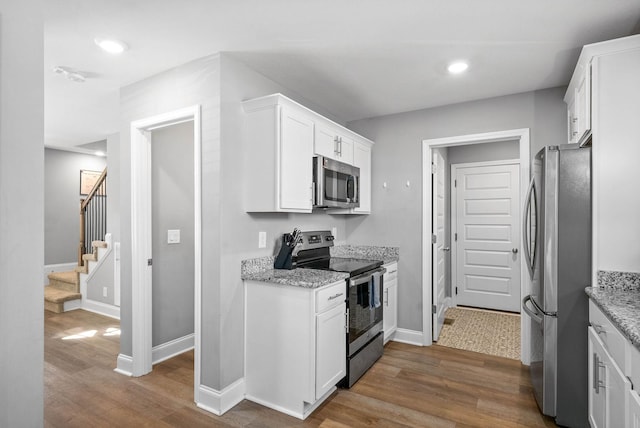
<point>622,307</point>
<point>261,269</point>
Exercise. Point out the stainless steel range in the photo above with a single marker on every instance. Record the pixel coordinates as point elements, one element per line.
<point>364,291</point>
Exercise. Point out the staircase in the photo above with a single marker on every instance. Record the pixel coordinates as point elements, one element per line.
<point>65,286</point>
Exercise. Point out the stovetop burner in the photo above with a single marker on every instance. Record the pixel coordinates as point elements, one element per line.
<point>342,264</point>
<point>313,253</point>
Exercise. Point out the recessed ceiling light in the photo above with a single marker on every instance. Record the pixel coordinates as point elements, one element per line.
<point>111,46</point>
<point>457,67</point>
<point>100,153</point>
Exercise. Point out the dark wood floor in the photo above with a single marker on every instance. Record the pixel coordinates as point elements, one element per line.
<point>409,386</point>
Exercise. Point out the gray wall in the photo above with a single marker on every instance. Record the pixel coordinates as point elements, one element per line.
<point>62,202</point>
<point>501,150</point>
<point>219,84</point>
<point>100,279</point>
<point>21,208</point>
<point>172,208</point>
<point>397,157</point>
<point>195,83</point>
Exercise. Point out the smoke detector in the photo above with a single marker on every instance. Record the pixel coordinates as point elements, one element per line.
<point>70,74</point>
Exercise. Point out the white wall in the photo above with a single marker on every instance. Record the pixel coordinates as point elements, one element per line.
<point>21,209</point>
<point>397,209</point>
<point>62,202</point>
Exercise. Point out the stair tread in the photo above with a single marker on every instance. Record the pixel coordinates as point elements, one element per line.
<point>57,295</point>
<point>70,277</point>
<point>99,244</point>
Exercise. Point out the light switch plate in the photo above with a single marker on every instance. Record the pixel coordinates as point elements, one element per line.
<point>262,239</point>
<point>173,236</point>
<point>334,232</point>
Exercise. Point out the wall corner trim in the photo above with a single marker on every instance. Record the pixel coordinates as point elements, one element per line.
<point>219,402</point>
<point>124,366</point>
<point>411,337</point>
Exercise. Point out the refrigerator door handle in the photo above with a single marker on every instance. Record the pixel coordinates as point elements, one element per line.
<point>528,255</point>
<point>535,315</point>
<point>540,310</point>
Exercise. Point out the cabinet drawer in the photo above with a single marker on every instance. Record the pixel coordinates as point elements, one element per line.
<point>611,337</point>
<point>330,296</point>
<point>634,365</point>
<point>392,274</point>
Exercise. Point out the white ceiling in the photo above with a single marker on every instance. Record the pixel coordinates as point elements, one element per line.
<point>356,58</point>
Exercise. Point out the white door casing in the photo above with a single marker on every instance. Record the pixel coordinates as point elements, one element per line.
<point>141,319</point>
<point>439,250</point>
<point>522,136</point>
<point>486,234</point>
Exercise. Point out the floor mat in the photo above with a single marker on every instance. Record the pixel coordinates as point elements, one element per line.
<point>478,330</point>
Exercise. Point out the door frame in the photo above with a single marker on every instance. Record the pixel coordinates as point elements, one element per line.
<point>453,216</point>
<point>522,135</point>
<point>141,292</point>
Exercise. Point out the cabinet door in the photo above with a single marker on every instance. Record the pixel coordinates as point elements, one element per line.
<point>582,107</point>
<point>362,159</point>
<point>390,303</point>
<point>345,149</point>
<point>296,162</point>
<point>634,410</point>
<point>609,388</point>
<point>326,142</point>
<point>331,348</point>
<point>597,398</point>
<point>330,143</point>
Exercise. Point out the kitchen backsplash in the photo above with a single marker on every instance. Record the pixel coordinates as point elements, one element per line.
<point>624,280</point>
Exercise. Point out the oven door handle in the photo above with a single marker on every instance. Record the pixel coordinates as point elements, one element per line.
<point>365,277</point>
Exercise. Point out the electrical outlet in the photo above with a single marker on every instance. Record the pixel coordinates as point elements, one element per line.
<point>334,232</point>
<point>262,239</point>
<point>105,291</point>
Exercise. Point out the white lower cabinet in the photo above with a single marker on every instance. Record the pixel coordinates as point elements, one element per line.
<point>390,301</point>
<point>611,397</point>
<point>609,388</point>
<point>295,345</point>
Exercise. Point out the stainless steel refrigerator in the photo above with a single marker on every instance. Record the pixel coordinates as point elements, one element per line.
<point>557,247</point>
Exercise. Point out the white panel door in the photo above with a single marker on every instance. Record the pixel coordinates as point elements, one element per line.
<point>331,348</point>
<point>439,250</point>
<point>487,236</point>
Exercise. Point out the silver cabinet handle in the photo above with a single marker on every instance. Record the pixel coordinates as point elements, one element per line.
<point>597,365</point>
<point>336,141</point>
<point>514,250</point>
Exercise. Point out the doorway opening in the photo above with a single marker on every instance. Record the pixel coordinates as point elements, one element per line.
<point>486,180</point>
<point>173,238</point>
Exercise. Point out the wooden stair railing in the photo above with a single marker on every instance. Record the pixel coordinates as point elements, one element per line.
<point>93,216</point>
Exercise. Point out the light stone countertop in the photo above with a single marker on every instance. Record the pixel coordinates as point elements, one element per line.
<point>618,296</point>
<point>261,269</point>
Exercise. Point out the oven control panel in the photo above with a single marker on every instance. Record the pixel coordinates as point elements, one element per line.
<point>316,239</point>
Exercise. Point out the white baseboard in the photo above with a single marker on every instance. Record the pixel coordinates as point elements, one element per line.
<point>124,365</point>
<point>71,305</point>
<point>219,402</point>
<point>60,267</point>
<point>411,337</point>
<point>101,308</point>
<point>172,348</point>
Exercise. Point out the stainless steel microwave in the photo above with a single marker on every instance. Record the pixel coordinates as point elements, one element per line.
<point>335,184</point>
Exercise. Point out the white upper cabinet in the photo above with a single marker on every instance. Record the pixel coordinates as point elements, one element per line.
<point>278,157</point>
<point>331,143</point>
<point>578,99</point>
<point>282,137</point>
